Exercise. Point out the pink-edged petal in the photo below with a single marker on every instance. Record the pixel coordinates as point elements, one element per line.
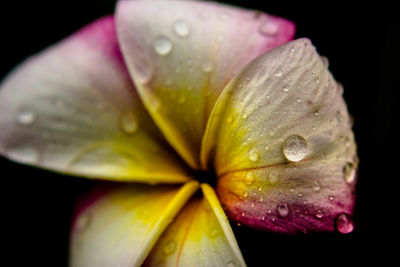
<point>281,142</point>
<point>73,109</point>
<point>120,227</point>
<point>199,236</point>
<point>181,55</point>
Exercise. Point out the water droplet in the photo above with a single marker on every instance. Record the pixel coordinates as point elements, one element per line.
<point>181,28</point>
<point>268,29</point>
<point>295,148</point>
<point>169,247</point>
<point>282,209</point>
<point>245,115</point>
<point>129,123</point>
<point>254,154</point>
<point>299,100</point>
<point>316,186</point>
<point>252,204</point>
<point>23,153</point>
<point>207,66</point>
<point>231,264</point>
<point>344,223</point>
<point>314,127</point>
<point>263,218</point>
<point>349,172</point>
<point>243,214</point>
<point>319,214</point>
<point>213,232</point>
<point>271,133</point>
<point>331,197</point>
<point>260,188</point>
<point>249,179</point>
<point>162,45</point>
<point>26,117</point>
<point>261,199</point>
<point>285,89</point>
<point>325,61</point>
<point>245,194</point>
<point>279,73</point>
<point>83,222</point>
<point>273,177</point>
<point>300,194</point>
<point>316,113</point>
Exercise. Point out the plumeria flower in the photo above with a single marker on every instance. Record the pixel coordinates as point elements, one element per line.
<point>169,98</point>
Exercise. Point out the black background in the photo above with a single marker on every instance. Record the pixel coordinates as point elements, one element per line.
<point>362,45</point>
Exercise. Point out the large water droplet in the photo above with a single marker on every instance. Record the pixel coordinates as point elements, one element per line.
<point>268,28</point>
<point>249,179</point>
<point>273,177</point>
<point>181,28</point>
<point>26,117</point>
<point>295,148</point>
<point>162,45</point>
<point>169,247</point>
<point>349,172</point>
<point>129,123</point>
<point>344,223</point>
<point>282,209</point>
<point>23,153</point>
<point>207,66</point>
<point>254,154</point>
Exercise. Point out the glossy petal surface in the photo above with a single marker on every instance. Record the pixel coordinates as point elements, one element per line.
<point>121,227</point>
<point>199,236</point>
<point>181,54</point>
<point>74,109</point>
<point>280,139</point>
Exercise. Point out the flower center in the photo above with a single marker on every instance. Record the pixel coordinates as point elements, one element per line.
<point>208,177</point>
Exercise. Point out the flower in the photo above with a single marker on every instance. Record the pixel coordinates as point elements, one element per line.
<point>153,95</point>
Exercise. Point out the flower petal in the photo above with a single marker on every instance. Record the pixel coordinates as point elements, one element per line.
<point>281,142</point>
<point>199,236</point>
<point>73,109</point>
<point>181,59</point>
<point>119,230</point>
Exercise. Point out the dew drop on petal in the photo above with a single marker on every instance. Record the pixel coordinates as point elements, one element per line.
<point>26,117</point>
<point>162,45</point>
<point>23,153</point>
<point>254,154</point>
<point>181,28</point>
<point>249,179</point>
<point>299,100</point>
<point>207,66</point>
<point>169,247</point>
<point>349,172</point>
<point>319,214</point>
<point>316,186</point>
<point>268,28</point>
<point>273,177</point>
<point>295,148</point>
<point>245,115</point>
<point>129,123</point>
<point>282,209</point>
<point>285,89</point>
<point>344,223</point>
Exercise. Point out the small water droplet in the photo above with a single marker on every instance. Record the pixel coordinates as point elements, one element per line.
<point>316,186</point>
<point>299,100</point>
<point>261,199</point>
<point>249,179</point>
<point>344,223</point>
<point>271,133</point>
<point>245,194</point>
<point>319,214</point>
<point>83,222</point>
<point>213,232</point>
<point>316,113</point>
<point>268,28</point>
<point>331,197</point>
<point>285,89</point>
<point>349,172</point>
<point>243,214</point>
<point>300,194</point>
<point>295,148</point>
<point>129,123</point>
<point>169,247</point>
<point>279,73</point>
<point>260,188</point>
<point>273,177</point>
<point>181,28</point>
<point>254,154</point>
<point>252,204</point>
<point>23,153</point>
<point>26,117</point>
<point>231,264</point>
<point>269,211</point>
<point>162,45</point>
<point>292,49</point>
<point>282,209</point>
<point>263,218</point>
<point>245,115</point>
<point>314,127</point>
<point>207,66</point>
